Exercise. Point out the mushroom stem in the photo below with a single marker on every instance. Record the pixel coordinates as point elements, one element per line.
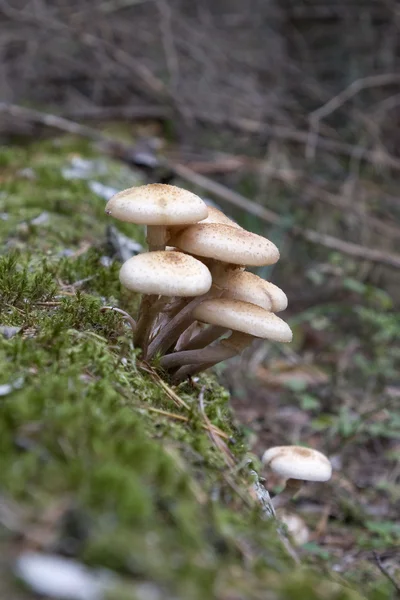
<point>177,325</point>
<point>157,237</point>
<point>190,370</point>
<point>204,338</point>
<point>291,489</point>
<point>187,335</point>
<point>146,316</point>
<point>226,348</point>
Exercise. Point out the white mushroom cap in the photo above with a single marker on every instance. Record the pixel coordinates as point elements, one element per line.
<point>296,462</point>
<point>217,216</point>
<point>244,317</point>
<point>157,204</point>
<point>226,243</point>
<point>297,528</point>
<point>165,273</point>
<point>245,286</point>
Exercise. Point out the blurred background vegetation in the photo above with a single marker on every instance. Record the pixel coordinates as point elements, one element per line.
<point>286,114</point>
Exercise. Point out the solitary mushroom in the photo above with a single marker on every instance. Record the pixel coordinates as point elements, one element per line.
<point>297,464</point>
<point>158,206</point>
<point>246,322</point>
<point>162,274</point>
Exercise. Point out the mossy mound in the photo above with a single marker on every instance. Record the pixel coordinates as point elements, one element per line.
<point>100,459</point>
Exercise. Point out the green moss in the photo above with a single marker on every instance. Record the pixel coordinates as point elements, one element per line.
<point>140,491</point>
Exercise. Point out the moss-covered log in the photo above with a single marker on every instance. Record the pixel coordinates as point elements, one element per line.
<point>100,459</point>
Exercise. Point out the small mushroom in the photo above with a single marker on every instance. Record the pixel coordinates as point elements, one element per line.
<point>236,285</point>
<point>246,286</point>
<point>217,216</point>
<point>297,464</point>
<point>162,274</point>
<point>214,216</point>
<point>226,243</point>
<point>158,206</point>
<point>244,319</point>
<point>278,297</point>
<point>298,530</point>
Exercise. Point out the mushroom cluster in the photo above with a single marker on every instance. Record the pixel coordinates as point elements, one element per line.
<point>193,282</point>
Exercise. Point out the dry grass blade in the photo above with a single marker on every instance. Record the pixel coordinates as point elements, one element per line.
<point>170,415</point>
<point>169,391</point>
<point>222,447</point>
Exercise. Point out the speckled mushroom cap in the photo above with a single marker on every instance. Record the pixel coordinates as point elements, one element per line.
<point>296,462</point>
<point>226,243</point>
<point>165,273</point>
<point>248,287</point>
<point>157,204</point>
<point>243,316</point>
<point>278,297</point>
<point>245,286</point>
<point>217,216</point>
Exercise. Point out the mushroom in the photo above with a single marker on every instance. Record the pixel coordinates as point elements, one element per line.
<point>296,526</point>
<point>226,243</point>
<point>238,285</point>
<point>246,286</point>
<point>166,274</point>
<point>246,322</point>
<point>158,206</point>
<point>223,244</point>
<point>297,464</point>
<point>278,297</point>
<point>217,216</point>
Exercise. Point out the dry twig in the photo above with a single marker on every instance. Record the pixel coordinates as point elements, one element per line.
<point>337,101</point>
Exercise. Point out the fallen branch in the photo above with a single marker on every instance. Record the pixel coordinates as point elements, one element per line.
<point>385,572</point>
<point>119,113</point>
<point>329,241</point>
<point>125,152</point>
<point>377,158</point>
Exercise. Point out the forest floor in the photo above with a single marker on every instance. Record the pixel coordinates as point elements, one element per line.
<point>105,463</point>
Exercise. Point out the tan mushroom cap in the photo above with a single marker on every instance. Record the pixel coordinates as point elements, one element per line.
<point>217,216</point>
<point>226,243</point>
<point>243,316</point>
<point>278,297</point>
<point>165,273</point>
<point>297,527</point>
<point>245,286</point>
<point>157,204</point>
<point>296,462</point>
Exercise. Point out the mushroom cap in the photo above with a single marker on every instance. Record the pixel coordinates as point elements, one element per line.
<point>166,273</point>
<point>296,462</point>
<point>226,243</point>
<point>244,317</point>
<point>297,528</point>
<point>278,297</point>
<point>245,286</point>
<point>157,204</point>
<point>217,216</point>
